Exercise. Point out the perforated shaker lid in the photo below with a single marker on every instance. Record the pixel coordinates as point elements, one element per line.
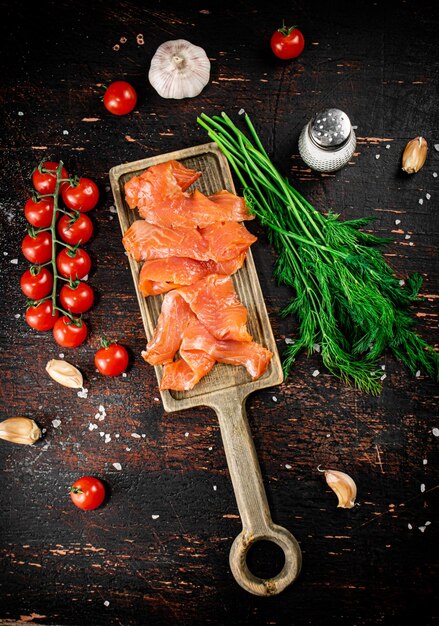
<point>330,129</point>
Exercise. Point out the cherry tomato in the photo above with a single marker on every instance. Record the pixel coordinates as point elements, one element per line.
<point>82,195</point>
<point>111,359</point>
<point>46,182</point>
<point>73,264</point>
<point>36,283</point>
<point>120,98</point>
<point>75,231</point>
<point>38,249</point>
<point>39,213</point>
<point>40,317</point>
<point>68,333</point>
<point>77,299</point>
<point>287,43</point>
<point>87,493</point>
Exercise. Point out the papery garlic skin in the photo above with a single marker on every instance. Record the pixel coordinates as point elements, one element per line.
<point>19,430</point>
<point>414,155</point>
<point>343,486</point>
<point>64,373</point>
<point>179,69</point>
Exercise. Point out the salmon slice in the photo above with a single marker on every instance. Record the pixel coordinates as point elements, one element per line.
<point>168,333</point>
<point>180,376</point>
<point>178,271</point>
<point>226,240</point>
<point>152,288</point>
<point>197,339</point>
<point>143,188</point>
<point>145,241</point>
<point>158,194</point>
<point>215,303</point>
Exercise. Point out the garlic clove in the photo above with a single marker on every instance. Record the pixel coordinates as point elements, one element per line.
<point>19,430</point>
<point>179,69</point>
<point>64,373</point>
<point>414,155</point>
<point>343,486</point>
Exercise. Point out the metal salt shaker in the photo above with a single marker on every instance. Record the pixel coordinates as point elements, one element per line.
<point>328,141</point>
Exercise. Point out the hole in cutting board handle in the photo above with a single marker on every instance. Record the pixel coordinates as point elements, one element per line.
<point>274,584</point>
<point>265,559</point>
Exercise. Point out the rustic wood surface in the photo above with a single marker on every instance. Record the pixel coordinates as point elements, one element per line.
<point>157,551</point>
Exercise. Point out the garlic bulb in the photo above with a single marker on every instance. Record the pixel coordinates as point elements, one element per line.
<point>19,430</point>
<point>343,486</point>
<point>179,69</point>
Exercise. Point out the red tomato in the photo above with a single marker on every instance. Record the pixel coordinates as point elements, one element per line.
<point>75,231</point>
<point>82,195</point>
<point>287,43</point>
<point>73,264</point>
<point>36,283</point>
<point>39,213</point>
<point>77,299</point>
<point>87,493</point>
<point>38,249</point>
<point>111,359</point>
<point>120,98</point>
<point>40,317</point>
<point>68,333</point>
<point>45,182</point>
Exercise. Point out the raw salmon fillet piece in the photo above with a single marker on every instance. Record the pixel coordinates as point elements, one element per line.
<point>197,339</point>
<point>142,188</point>
<point>178,271</point>
<point>147,241</point>
<point>214,301</point>
<point>168,333</point>
<point>225,240</point>
<point>200,350</point>
<point>160,199</point>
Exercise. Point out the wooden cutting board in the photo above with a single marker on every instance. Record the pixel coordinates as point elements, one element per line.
<point>226,387</point>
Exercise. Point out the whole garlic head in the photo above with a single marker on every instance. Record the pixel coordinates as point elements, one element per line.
<point>179,69</point>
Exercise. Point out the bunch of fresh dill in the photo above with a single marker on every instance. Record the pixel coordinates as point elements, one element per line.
<point>347,297</point>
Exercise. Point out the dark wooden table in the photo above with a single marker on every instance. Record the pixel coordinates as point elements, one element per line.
<point>157,551</point>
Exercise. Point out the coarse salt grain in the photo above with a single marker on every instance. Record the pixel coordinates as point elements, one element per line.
<point>20,113</point>
<point>102,433</point>
<point>241,111</point>
<point>409,526</point>
<point>56,423</point>
<point>408,237</point>
<point>143,435</point>
<point>315,373</point>
<point>316,347</point>
<point>215,487</point>
<point>117,435</point>
<point>14,261</point>
<point>418,373</point>
<point>124,374</point>
<point>421,201</point>
<point>61,355</point>
<point>5,253</point>
<point>402,282</point>
<point>106,603</point>
<point>274,399</point>
<point>397,222</point>
<point>434,174</point>
<point>128,449</point>
<point>383,377</point>
<point>422,528</point>
<point>287,466</point>
<point>155,516</point>
<point>424,461</point>
<point>210,448</point>
<point>17,316</point>
<point>186,434</point>
<point>422,488</point>
<point>135,435</point>
<point>107,438</point>
<point>288,340</point>
<point>435,432</point>
<point>117,466</point>
<point>428,196</point>
<point>65,132</point>
<point>112,209</point>
<point>377,156</point>
<point>82,393</point>
<point>388,146</point>
<point>383,367</point>
<point>92,426</point>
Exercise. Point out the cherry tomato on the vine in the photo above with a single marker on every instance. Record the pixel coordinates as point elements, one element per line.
<point>75,231</point>
<point>69,333</point>
<point>45,182</point>
<point>112,359</point>
<point>87,493</point>
<point>73,265</point>
<point>81,195</point>
<point>40,317</point>
<point>76,298</point>
<point>36,283</point>
<point>39,213</point>
<point>120,98</point>
<point>287,42</point>
<point>38,249</point>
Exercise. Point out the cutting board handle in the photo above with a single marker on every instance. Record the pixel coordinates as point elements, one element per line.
<point>252,503</point>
